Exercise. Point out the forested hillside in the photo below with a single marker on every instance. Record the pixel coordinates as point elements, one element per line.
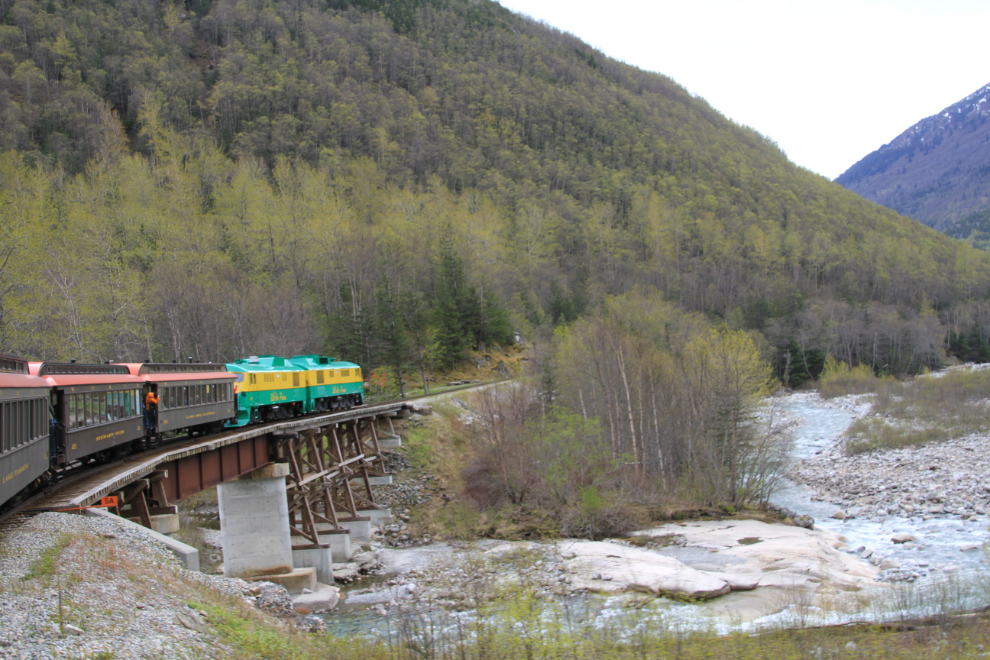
<point>397,181</point>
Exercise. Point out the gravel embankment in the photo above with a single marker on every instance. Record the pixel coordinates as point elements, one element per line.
<point>123,595</point>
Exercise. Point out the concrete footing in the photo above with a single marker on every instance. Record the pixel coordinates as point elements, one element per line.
<point>377,516</point>
<point>360,529</point>
<point>339,542</point>
<point>319,559</point>
<point>389,442</point>
<point>167,523</point>
<point>294,581</point>
<point>374,481</point>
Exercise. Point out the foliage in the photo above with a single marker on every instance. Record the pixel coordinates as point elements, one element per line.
<point>924,409</point>
<point>839,379</point>
<point>678,396</point>
<point>217,179</point>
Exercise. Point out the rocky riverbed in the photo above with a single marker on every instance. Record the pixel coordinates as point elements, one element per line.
<point>919,512</point>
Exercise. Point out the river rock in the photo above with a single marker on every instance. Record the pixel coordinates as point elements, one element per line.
<point>779,555</point>
<point>323,599</point>
<point>637,569</point>
<point>903,537</point>
<point>840,515</point>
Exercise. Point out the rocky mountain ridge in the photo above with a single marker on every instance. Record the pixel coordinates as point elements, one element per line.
<point>937,171</point>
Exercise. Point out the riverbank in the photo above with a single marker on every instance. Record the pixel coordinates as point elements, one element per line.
<point>126,597</point>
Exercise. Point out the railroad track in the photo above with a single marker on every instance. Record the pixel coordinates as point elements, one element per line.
<point>83,479</point>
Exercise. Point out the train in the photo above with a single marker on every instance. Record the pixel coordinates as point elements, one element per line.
<point>56,416</point>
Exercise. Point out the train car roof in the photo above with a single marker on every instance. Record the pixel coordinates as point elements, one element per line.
<point>161,372</point>
<point>321,362</point>
<point>15,373</point>
<point>72,373</point>
<point>263,363</point>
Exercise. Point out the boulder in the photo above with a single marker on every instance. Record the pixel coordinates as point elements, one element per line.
<point>903,537</point>
<point>840,515</point>
<point>636,569</point>
<point>323,599</point>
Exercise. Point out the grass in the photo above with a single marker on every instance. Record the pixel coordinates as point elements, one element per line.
<point>921,410</point>
<point>47,564</point>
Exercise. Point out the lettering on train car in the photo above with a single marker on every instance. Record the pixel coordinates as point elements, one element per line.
<point>202,414</point>
<point>106,436</point>
<point>19,471</point>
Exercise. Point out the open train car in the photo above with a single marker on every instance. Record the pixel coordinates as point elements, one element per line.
<point>331,385</point>
<point>97,409</point>
<point>25,422</point>
<point>193,397</point>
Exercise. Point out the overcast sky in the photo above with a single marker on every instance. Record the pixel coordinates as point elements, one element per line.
<point>829,81</point>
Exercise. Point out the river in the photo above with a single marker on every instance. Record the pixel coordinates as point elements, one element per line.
<point>940,539</point>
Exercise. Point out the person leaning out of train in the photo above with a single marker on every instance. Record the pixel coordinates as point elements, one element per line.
<point>151,405</point>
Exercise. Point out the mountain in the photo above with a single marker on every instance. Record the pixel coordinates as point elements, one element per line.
<point>390,180</point>
<point>937,171</point>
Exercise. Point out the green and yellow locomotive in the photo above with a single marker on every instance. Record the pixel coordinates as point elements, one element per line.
<point>269,387</point>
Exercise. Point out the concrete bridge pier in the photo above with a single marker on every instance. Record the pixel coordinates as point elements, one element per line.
<point>254,530</point>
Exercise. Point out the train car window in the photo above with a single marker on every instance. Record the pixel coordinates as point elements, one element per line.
<point>4,433</point>
<point>71,404</point>
<point>31,420</point>
<point>87,410</point>
<point>185,396</point>
<point>198,394</point>
<point>102,401</point>
<point>18,423</point>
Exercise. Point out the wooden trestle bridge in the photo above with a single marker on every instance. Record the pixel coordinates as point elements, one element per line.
<point>334,460</point>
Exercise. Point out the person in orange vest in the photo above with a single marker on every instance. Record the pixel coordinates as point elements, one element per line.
<point>151,405</point>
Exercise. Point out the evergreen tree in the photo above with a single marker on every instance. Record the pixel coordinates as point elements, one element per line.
<point>450,309</point>
<point>391,331</point>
